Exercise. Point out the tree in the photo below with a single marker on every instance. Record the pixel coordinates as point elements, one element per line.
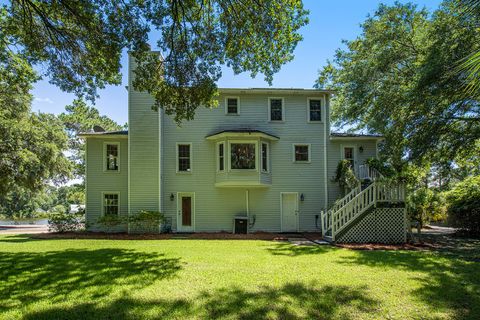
<point>79,117</point>
<point>471,66</point>
<point>31,144</point>
<point>80,43</point>
<point>397,79</point>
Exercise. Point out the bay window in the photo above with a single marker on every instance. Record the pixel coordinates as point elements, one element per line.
<point>242,156</point>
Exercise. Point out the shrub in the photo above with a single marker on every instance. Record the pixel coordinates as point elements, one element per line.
<point>425,205</point>
<point>464,205</point>
<point>146,221</point>
<point>345,176</point>
<point>109,222</point>
<point>64,222</point>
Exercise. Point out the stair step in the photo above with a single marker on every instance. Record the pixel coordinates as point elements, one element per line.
<point>328,238</point>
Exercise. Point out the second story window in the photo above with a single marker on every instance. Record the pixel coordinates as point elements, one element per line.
<point>232,106</point>
<point>221,156</point>
<point>242,156</point>
<point>111,156</point>
<point>276,109</point>
<point>314,110</point>
<point>301,153</point>
<point>264,157</point>
<point>184,157</point>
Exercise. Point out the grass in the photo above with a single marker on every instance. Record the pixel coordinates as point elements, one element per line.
<point>231,279</point>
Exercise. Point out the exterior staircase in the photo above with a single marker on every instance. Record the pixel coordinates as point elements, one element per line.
<point>346,211</point>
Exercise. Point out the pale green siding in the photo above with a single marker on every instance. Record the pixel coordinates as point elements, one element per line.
<point>99,181</point>
<point>144,145</point>
<point>216,207</point>
<point>335,155</point>
<point>152,176</point>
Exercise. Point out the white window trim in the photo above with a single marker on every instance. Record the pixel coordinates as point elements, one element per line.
<point>238,106</point>
<point>322,107</point>
<point>218,156</point>
<point>103,201</point>
<point>309,152</point>
<point>176,157</point>
<point>105,143</point>
<point>230,155</point>
<point>269,109</point>
<point>268,158</point>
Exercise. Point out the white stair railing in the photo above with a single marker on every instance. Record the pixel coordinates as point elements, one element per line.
<point>326,216</point>
<point>354,204</point>
<point>367,172</point>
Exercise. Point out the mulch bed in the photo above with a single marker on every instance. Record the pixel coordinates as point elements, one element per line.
<point>382,246</point>
<point>126,236</point>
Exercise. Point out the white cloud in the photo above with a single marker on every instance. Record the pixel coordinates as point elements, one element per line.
<point>46,100</point>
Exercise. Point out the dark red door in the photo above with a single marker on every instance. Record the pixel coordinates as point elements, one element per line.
<point>186,211</point>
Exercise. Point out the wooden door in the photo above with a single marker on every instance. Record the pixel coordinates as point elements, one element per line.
<point>187,211</point>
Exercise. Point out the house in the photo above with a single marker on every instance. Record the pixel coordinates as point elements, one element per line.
<point>267,155</point>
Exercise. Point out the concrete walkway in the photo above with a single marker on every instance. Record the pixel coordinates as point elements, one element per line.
<point>23,229</point>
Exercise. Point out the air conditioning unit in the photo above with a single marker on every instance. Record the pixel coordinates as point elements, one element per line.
<point>240,224</point>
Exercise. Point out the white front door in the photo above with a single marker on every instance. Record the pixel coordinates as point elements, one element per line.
<point>185,211</point>
<point>289,211</point>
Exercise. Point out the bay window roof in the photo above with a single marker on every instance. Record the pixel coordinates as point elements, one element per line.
<point>243,133</point>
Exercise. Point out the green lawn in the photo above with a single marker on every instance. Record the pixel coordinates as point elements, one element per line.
<point>233,279</point>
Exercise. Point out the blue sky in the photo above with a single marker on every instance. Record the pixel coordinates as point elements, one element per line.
<point>330,23</point>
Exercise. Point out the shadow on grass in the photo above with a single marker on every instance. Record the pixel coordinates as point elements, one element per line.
<point>447,281</point>
<point>29,277</point>
<point>291,301</point>
<point>17,238</point>
<point>288,249</point>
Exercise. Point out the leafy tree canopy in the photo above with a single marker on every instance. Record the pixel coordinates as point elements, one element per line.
<point>79,117</point>
<point>31,144</point>
<point>398,79</point>
<point>80,43</point>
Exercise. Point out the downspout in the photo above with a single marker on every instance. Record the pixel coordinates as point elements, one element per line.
<point>325,133</point>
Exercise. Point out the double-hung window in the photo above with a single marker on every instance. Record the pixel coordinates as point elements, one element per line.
<point>301,153</point>
<point>264,157</point>
<point>111,156</point>
<point>232,105</point>
<point>314,110</point>
<point>276,109</point>
<point>110,204</point>
<point>242,156</point>
<point>221,156</point>
<point>184,157</point>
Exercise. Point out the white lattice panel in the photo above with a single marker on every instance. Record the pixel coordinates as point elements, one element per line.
<point>381,225</point>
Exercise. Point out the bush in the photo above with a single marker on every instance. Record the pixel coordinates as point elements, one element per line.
<point>345,176</point>
<point>143,221</point>
<point>464,205</point>
<point>146,221</point>
<point>64,222</point>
